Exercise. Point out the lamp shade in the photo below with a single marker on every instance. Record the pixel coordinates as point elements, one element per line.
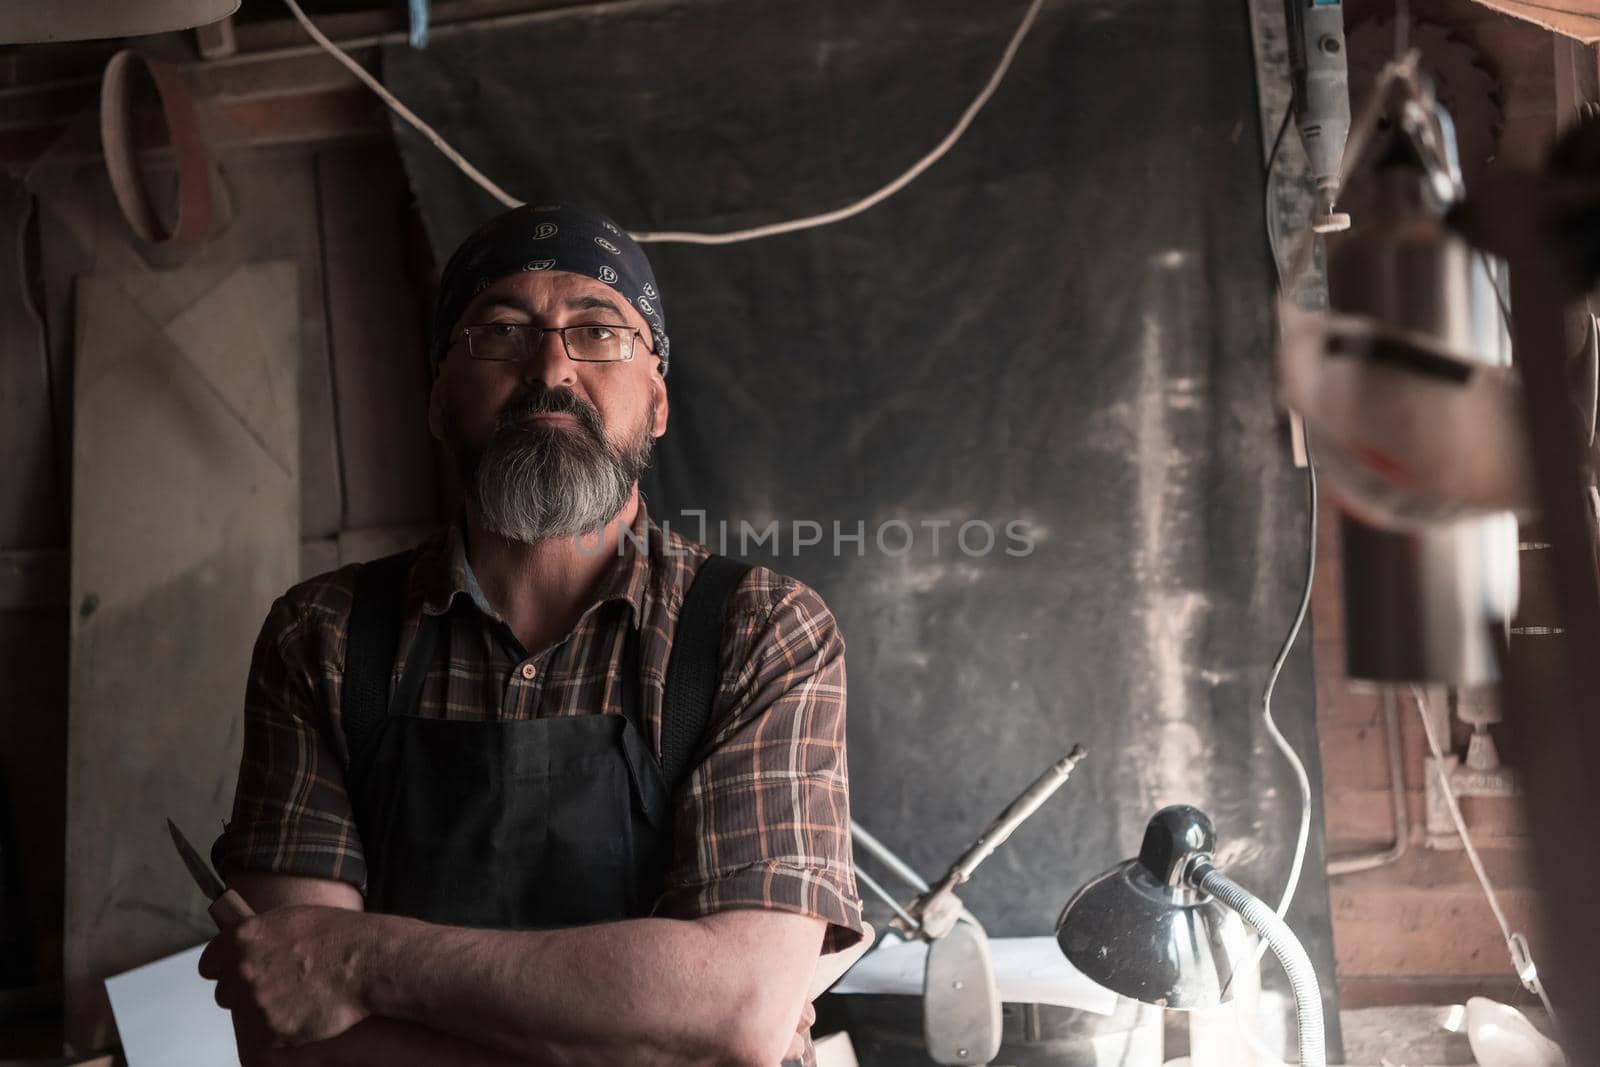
<point>42,21</point>
<point>1142,932</point>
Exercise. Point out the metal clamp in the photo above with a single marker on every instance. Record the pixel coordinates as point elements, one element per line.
<point>935,912</point>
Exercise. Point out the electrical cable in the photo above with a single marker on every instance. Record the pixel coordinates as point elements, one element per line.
<point>684,236</point>
<point>1303,834</point>
<point>873,199</point>
<point>1303,838</point>
<point>1516,944</point>
<point>1267,202</point>
<point>1302,779</point>
<point>400,109</point>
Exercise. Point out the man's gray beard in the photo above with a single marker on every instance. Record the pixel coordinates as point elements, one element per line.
<point>535,482</point>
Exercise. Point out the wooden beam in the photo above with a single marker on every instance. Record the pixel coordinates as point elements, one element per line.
<point>228,125</point>
<point>279,87</point>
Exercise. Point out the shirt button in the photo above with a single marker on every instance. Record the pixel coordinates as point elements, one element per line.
<point>528,672</point>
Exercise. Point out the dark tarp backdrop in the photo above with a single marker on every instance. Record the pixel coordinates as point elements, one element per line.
<point>1063,325</point>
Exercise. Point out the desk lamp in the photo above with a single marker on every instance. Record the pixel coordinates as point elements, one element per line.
<point>1165,928</point>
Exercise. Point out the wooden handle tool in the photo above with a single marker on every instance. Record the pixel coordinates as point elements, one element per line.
<point>228,908</point>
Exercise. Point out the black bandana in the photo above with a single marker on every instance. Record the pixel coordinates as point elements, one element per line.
<point>552,237</point>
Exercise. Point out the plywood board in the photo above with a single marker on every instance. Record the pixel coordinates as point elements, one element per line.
<point>185,526</point>
<point>273,195</point>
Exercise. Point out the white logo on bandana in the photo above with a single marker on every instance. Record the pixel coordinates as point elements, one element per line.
<point>608,275</point>
<point>545,230</point>
<point>645,305</point>
<point>539,264</point>
<point>612,228</point>
<point>608,246</point>
<point>649,290</point>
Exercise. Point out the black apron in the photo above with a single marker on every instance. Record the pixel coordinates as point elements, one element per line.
<point>518,824</point>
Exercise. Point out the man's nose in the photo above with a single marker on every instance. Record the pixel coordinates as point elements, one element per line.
<point>548,362</point>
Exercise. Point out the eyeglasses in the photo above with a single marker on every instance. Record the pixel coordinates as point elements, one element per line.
<point>589,342</point>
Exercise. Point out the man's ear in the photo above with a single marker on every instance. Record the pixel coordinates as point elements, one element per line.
<point>658,405</point>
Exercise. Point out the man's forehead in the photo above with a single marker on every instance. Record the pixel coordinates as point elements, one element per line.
<point>549,286</point>
<point>544,292</point>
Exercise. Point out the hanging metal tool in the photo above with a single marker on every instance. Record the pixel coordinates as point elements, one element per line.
<point>937,910</point>
<point>960,995</point>
<point>1321,74</point>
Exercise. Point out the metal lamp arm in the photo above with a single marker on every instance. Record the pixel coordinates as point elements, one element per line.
<point>1276,933</point>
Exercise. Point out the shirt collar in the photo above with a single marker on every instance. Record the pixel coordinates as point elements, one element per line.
<point>444,574</point>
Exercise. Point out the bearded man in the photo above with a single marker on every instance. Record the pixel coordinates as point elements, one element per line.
<point>553,786</point>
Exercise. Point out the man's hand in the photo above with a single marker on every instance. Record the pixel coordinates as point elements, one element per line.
<point>295,973</point>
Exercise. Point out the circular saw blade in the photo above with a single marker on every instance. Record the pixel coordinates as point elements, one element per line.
<point>1462,82</point>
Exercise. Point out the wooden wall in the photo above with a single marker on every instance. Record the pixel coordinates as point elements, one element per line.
<point>340,212</point>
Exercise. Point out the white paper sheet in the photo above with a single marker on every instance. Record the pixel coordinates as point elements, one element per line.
<point>168,1015</point>
<point>1028,970</point>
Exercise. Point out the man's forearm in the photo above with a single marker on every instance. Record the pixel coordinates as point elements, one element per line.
<point>660,991</point>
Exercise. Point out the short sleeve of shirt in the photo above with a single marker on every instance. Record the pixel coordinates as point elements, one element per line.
<point>291,812</point>
<point>764,821</point>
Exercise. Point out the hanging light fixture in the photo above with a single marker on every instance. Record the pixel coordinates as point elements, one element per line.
<point>88,20</point>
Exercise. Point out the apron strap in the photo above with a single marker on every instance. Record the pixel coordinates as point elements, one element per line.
<point>372,640</point>
<point>632,680</point>
<point>691,685</point>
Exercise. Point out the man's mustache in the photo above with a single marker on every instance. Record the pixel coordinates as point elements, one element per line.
<point>523,406</point>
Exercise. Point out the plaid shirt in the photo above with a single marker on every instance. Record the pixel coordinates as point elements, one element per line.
<point>763,822</point>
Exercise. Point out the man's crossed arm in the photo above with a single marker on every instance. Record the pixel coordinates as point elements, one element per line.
<point>314,980</point>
